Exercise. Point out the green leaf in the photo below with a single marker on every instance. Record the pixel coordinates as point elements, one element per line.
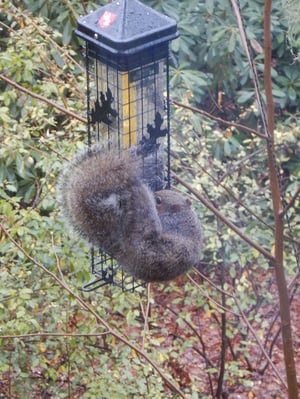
<point>245,96</point>
<point>292,93</point>
<point>232,43</point>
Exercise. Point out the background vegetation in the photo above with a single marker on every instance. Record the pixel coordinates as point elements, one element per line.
<point>213,333</point>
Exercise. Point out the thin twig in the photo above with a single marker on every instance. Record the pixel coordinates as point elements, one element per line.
<point>217,119</point>
<point>57,259</point>
<point>146,313</point>
<point>43,99</point>
<point>291,203</point>
<point>54,335</point>
<point>224,340</point>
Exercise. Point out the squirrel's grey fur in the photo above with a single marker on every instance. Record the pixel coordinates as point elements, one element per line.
<point>153,236</point>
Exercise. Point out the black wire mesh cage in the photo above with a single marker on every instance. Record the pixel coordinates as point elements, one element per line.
<point>127,70</point>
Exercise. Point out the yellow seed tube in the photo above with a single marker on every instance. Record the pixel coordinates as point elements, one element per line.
<point>129,114</point>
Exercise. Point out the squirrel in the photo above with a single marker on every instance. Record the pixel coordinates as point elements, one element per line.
<point>153,236</point>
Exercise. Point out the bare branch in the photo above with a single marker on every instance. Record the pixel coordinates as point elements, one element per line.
<point>43,99</point>
<point>291,203</point>
<point>54,335</point>
<point>217,119</point>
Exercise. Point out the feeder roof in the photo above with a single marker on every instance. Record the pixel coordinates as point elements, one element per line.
<point>126,26</point>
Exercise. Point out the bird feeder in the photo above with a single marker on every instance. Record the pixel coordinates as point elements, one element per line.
<point>127,71</point>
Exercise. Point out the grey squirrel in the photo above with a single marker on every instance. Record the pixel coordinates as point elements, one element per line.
<point>153,236</point>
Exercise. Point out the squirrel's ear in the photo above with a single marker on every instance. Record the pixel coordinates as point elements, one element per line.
<point>158,200</point>
<point>188,202</point>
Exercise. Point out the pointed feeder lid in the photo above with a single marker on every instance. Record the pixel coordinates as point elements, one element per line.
<point>124,32</point>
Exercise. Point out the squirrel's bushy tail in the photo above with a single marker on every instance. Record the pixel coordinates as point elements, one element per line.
<point>92,189</point>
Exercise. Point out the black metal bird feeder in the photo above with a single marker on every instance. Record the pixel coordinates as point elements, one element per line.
<point>127,70</point>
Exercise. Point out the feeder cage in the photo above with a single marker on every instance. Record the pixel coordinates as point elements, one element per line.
<point>127,71</point>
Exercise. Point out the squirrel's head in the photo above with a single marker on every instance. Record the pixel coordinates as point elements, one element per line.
<point>170,202</point>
